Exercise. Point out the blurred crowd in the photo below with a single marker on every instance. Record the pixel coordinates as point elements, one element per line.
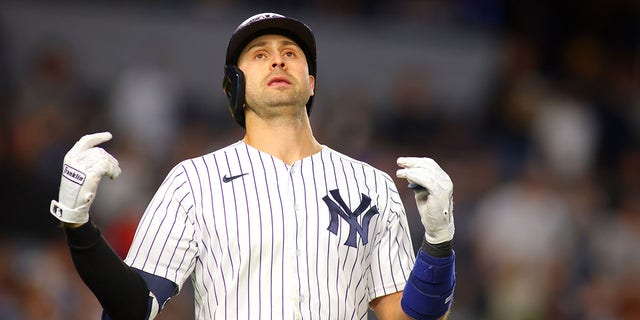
<point>546,175</point>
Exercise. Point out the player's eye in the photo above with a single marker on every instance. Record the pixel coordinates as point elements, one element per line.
<point>290,54</point>
<point>260,55</point>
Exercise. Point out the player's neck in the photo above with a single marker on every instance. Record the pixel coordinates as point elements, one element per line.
<point>287,141</point>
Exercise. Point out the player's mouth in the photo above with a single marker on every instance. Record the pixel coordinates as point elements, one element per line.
<point>278,81</point>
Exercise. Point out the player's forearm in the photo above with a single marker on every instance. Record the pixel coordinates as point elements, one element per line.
<point>404,316</point>
<point>429,289</point>
<point>121,291</point>
<point>401,315</point>
<point>428,293</point>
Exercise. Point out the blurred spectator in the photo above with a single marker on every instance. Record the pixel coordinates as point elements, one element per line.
<point>618,108</point>
<point>144,103</point>
<point>41,283</point>
<point>411,118</point>
<point>523,236</point>
<point>564,130</point>
<point>614,290</point>
<point>45,106</point>
<point>348,122</point>
<point>518,90</point>
<point>128,195</point>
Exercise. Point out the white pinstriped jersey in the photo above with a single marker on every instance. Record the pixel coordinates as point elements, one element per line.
<point>261,239</point>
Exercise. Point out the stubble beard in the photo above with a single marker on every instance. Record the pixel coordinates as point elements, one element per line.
<point>280,104</point>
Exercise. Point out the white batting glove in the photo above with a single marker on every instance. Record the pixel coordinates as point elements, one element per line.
<point>434,196</point>
<point>84,165</point>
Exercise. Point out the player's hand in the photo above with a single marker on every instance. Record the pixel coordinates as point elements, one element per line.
<point>84,165</point>
<point>434,196</point>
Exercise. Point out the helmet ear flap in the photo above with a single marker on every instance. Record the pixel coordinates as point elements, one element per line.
<point>233,85</point>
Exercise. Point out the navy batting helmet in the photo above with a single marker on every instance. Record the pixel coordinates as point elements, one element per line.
<point>264,23</point>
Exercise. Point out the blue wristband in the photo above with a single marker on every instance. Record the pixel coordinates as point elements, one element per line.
<point>429,291</point>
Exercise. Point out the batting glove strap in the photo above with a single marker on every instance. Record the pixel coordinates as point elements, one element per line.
<point>439,250</point>
<point>68,215</point>
<point>429,290</point>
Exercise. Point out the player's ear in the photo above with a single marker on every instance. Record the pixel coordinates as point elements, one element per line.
<point>312,84</point>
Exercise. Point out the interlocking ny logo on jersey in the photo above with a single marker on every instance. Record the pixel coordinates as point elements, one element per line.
<point>338,208</point>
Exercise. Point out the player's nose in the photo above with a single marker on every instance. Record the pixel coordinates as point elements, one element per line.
<point>277,62</point>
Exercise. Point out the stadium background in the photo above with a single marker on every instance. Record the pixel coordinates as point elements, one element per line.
<point>533,107</point>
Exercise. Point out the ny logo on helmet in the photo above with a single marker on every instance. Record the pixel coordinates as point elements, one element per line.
<point>258,17</point>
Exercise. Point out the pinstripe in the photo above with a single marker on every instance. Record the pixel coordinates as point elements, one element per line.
<point>387,196</point>
<point>184,230</point>
<point>248,280</point>
<point>367,255</point>
<point>270,296</point>
<point>174,252</point>
<point>232,255</point>
<point>206,230</point>
<point>328,241</point>
<point>296,218</point>
<point>220,239</point>
<point>164,244</point>
<point>355,262</point>
<point>253,245</point>
<point>283,239</point>
<point>226,234</point>
<point>155,236</point>
<point>307,241</point>
<point>317,242</point>
<point>259,230</point>
<point>337,285</point>
<point>147,217</point>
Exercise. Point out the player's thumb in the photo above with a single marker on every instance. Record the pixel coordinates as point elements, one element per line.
<point>107,165</point>
<point>114,171</point>
<point>112,168</point>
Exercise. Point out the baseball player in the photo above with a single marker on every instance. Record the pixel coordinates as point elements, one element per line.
<point>276,225</point>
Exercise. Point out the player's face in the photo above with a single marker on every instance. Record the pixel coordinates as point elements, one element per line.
<point>276,75</point>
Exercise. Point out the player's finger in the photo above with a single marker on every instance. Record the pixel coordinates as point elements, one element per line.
<point>416,162</point>
<point>416,187</point>
<point>109,165</point>
<point>428,165</point>
<point>411,176</point>
<point>91,140</point>
<point>103,162</point>
<point>420,177</point>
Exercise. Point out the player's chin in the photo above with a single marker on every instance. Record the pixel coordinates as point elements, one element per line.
<point>287,101</point>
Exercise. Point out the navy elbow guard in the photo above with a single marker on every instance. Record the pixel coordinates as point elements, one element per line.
<point>429,291</point>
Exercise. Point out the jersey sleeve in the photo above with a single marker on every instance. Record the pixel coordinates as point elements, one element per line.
<point>392,256</point>
<point>165,243</point>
